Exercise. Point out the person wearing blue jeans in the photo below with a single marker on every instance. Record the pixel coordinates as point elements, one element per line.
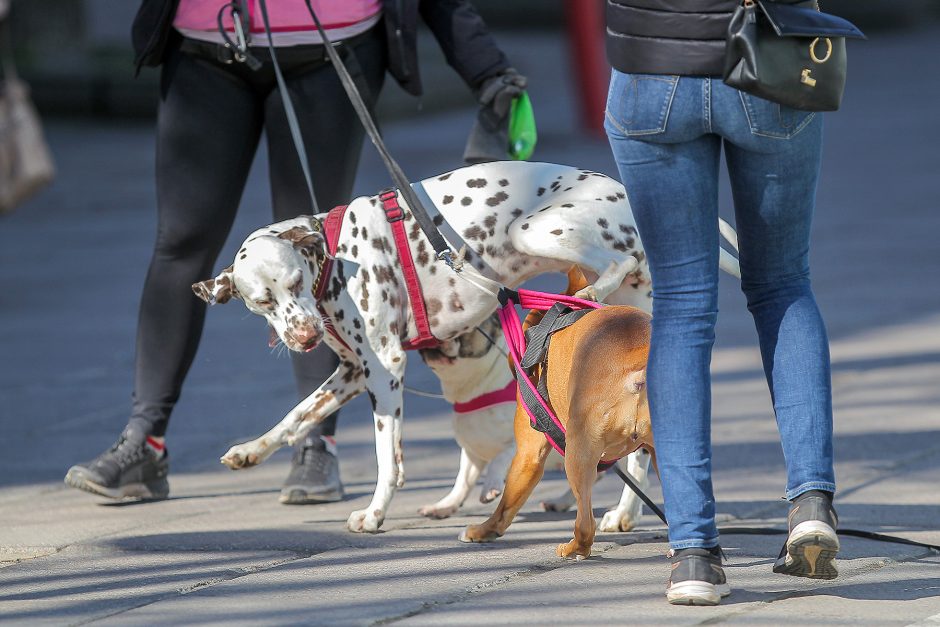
<point>668,127</point>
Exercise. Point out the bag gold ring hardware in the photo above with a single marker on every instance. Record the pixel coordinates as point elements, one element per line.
<point>812,51</point>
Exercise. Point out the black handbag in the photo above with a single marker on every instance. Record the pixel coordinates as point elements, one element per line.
<point>791,54</point>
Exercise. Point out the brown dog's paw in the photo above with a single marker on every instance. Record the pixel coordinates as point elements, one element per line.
<point>573,549</point>
<point>478,533</point>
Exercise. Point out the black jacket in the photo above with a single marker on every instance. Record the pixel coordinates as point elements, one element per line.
<point>685,37</point>
<point>459,29</point>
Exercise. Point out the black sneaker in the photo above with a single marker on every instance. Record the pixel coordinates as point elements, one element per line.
<point>697,577</point>
<point>314,475</point>
<point>811,547</point>
<point>129,469</point>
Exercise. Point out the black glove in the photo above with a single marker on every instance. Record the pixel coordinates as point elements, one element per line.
<point>489,138</point>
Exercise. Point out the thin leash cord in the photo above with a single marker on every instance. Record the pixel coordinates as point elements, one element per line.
<point>292,123</point>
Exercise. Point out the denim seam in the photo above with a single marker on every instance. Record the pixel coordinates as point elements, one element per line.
<point>826,486</point>
<point>707,104</point>
<point>709,543</point>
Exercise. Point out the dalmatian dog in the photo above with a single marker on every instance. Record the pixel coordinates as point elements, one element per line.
<point>510,220</point>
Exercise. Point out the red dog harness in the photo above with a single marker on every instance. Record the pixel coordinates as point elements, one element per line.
<point>395,216</point>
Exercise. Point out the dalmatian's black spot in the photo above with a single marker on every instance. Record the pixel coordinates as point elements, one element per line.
<point>516,212</point>
<point>415,231</point>
<point>433,269</point>
<point>438,220</point>
<point>622,247</point>
<point>397,409</point>
<point>366,277</point>
<point>339,315</point>
<point>540,192</point>
<point>466,201</point>
<point>474,232</point>
<point>567,189</point>
<point>612,198</point>
<point>384,296</point>
<point>582,177</point>
<point>434,306</point>
<point>352,217</point>
<point>243,257</point>
<point>365,234</point>
<point>357,338</point>
<point>503,182</point>
<point>452,281</point>
<point>447,199</point>
<point>359,351</point>
<point>525,227</point>
<point>355,251</point>
<point>490,221</point>
<point>393,328</point>
<point>423,257</point>
<point>607,236</point>
<point>545,208</point>
<point>567,205</point>
<point>602,222</point>
<point>627,229</point>
<point>372,322</point>
<point>354,231</point>
<point>621,195</point>
<point>356,323</point>
<point>383,341</point>
<point>476,183</point>
<point>497,198</point>
<point>555,186</point>
<point>556,232</point>
<point>444,177</point>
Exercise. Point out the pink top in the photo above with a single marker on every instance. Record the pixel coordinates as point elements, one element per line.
<point>291,24</point>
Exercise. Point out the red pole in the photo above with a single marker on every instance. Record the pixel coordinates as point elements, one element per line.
<point>585,20</point>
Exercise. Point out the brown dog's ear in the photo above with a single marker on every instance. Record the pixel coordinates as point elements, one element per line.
<point>218,290</point>
<point>303,238</point>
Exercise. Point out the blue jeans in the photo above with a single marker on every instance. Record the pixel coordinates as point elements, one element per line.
<point>667,134</point>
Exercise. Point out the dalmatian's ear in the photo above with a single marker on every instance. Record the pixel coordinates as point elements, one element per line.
<point>304,239</point>
<point>218,290</point>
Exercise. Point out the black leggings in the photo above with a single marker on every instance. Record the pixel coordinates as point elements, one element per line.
<point>210,120</point>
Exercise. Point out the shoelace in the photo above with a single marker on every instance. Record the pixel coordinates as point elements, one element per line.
<point>125,453</point>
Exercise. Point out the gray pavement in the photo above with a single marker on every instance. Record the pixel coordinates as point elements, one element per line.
<point>222,550</point>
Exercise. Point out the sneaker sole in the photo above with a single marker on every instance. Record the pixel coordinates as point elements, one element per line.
<point>811,552</point>
<point>697,593</point>
<point>300,496</point>
<point>153,491</point>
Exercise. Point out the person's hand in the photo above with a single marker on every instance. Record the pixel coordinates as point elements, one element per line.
<point>489,138</point>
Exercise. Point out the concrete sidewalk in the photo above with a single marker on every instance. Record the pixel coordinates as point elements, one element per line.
<point>222,550</point>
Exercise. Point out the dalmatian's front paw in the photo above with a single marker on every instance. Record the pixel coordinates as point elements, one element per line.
<point>240,456</point>
<point>618,520</point>
<point>365,521</point>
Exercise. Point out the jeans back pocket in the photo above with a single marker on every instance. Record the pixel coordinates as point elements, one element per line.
<point>639,104</point>
<point>769,119</point>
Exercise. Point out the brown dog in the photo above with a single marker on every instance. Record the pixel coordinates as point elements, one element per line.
<point>597,389</point>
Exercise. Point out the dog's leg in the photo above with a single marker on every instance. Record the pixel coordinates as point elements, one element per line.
<point>494,481</point>
<point>342,386</point>
<point>526,470</point>
<point>470,469</point>
<point>581,459</point>
<point>564,502</point>
<point>383,372</point>
<point>626,514</point>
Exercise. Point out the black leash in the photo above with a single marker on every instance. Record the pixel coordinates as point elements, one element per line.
<point>441,249</point>
<point>770,531</point>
